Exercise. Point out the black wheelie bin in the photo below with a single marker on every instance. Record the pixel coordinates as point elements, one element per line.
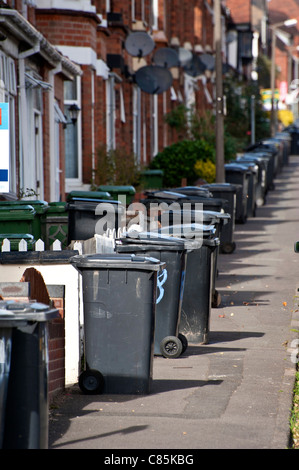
<point>119,300</point>
<point>239,175</point>
<point>92,213</point>
<point>199,280</point>
<point>27,407</point>
<point>173,252</point>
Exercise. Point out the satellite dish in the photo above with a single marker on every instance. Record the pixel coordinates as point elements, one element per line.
<point>195,67</point>
<point>166,57</point>
<point>185,56</point>
<point>139,44</point>
<point>208,60</point>
<point>153,79</point>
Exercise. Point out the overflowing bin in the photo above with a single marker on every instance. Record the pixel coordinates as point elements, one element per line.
<point>26,413</point>
<point>119,298</point>
<point>91,213</point>
<point>173,252</point>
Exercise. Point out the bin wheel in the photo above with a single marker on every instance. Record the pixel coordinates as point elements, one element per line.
<point>171,347</point>
<point>184,341</point>
<point>91,382</point>
<point>228,248</point>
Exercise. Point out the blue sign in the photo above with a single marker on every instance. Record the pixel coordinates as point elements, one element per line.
<point>4,145</point>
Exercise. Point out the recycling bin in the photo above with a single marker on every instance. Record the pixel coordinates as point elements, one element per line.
<point>252,185</point>
<point>34,228</point>
<point>227,192</point>
<point>286,140</point>
<point>17,218</point>
<point>87,217</point>
<point>54,224</point>
<point>119,299</point>
<point>199,191</point>
<point>239,175</point>
<point>26,414</point>
<point>15,239</point>
<point>173,252</point>
<point>118,192</point>
<point>152,179</point>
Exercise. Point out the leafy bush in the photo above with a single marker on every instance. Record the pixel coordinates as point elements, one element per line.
<point>115,167</point>
<point>179,159</point>
<point>206,170</point>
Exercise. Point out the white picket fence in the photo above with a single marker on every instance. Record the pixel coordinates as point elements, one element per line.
<point>98,244</point>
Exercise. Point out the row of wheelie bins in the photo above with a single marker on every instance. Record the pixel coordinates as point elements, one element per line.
<point>153,295</point>
<point>143,300</point>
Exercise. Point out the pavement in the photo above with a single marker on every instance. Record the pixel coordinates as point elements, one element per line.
<point>234,392</point>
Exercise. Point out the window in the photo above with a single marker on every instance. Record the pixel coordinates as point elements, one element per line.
<point>72,132</point>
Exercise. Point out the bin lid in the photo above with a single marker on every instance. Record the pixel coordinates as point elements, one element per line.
<point>197,215</point>
<point>225,187</point>
<point>191,230</point>
<point>88,195</point>
<point>249,164</point>
<point>56,207</point>
<point>194,191</point>
<point>117,189</point>
<point>236,168</point>
<point>165,194</point>
<point>156,240</point>
<point>116,261</point>
<point>79,204</point>
<point>17,212</point>
<point>150,172</point>
<point>27,311</point>
<point>194,232</point>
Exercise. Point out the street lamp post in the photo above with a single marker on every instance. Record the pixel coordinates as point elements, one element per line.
<point>288,23</point>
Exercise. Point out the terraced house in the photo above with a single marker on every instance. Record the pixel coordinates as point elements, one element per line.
<point>120,67</point>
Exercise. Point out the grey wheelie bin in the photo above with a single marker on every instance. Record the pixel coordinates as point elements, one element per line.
<point>239,175</point>
<point>198,290</point>
<point>252,185</point>
<point>26,414</point>
<point>90,216</point>
<point>261,186</point>
<point>119,299</point>
<point>173,252</point>
<point>227,192</point>
<point>8,321</point>
<point>293,131</point>
<point>209,219</point>
<point>267,158</point>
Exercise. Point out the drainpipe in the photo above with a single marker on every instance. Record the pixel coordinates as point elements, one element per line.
<point>53,168</point>
<point>23,129</point>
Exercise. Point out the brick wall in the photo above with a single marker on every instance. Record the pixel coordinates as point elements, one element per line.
<point>25,291</point>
